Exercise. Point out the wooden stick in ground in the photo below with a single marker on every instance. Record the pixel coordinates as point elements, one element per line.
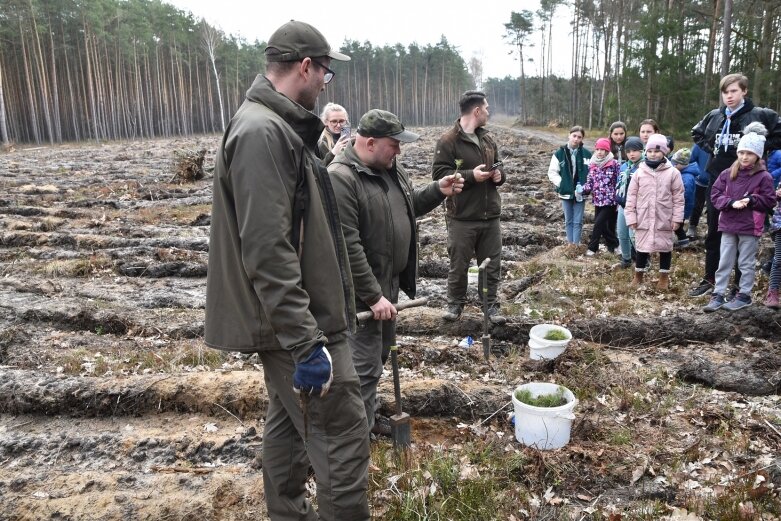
<point>486,331</point>
<point>366,315</point>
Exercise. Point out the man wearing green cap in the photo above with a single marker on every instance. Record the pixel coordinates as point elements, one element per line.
<point>279,283</point>
<point>378,206</point>
<point>473,216</point>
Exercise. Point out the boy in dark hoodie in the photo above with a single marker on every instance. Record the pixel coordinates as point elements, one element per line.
<point>718,134</point>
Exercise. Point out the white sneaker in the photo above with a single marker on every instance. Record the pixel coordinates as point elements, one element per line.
<point>590,253</point>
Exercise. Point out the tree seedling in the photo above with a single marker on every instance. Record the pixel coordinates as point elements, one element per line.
<point>556,399</point>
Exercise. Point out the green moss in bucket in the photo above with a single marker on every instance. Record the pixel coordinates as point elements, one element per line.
<point>556,399</point>
<point>555,334</point>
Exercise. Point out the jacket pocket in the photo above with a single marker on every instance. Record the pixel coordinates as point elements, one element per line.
<point>643,213</point>
<point>664,215</point>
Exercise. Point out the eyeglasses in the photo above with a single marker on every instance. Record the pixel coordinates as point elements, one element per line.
<point>329,74</point>
<point>337,121</point>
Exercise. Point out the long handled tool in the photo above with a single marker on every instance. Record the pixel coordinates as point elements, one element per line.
<point>399,422</point>
<point>486,332</point>
<point>366,315</point>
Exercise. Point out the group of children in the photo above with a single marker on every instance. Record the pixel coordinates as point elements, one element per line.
<point>643,194</point>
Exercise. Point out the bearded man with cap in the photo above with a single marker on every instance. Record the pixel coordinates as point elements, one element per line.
<point>378,207</point>
<point>279,283</point>
<point>473,228</point>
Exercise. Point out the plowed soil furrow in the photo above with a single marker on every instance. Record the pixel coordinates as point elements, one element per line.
<point>112,407</point>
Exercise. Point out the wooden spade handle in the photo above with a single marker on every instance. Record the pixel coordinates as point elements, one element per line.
<point>366,315</point>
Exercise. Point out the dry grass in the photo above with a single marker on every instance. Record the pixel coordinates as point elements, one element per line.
<point>171,357</point>
<point>76,267</point>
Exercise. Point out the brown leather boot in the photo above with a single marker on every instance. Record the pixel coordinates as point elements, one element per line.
<point>638,278</point>
<point>664,282</point>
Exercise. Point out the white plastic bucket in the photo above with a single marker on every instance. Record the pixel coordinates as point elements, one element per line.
<point>472,276</point>
<point>544,427</point>
<point>542,349</point>
<point>541,352</point>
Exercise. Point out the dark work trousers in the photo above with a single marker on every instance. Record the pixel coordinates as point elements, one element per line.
<point>467,239</point>
<point>604,227</point>
<point>370,347</point>
<point>713,241</point>
<point>699,203</point>
<point>335,441</point>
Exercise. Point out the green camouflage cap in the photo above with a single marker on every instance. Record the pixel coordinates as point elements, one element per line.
<point>298,40</point>
<point>681,157</point>
<point>381,123</point>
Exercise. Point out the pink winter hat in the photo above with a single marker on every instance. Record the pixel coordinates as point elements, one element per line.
<point>657,142</point>
<point>603,143</point>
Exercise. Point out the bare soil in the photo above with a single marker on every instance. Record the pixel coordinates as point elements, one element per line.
<point>111,406</point>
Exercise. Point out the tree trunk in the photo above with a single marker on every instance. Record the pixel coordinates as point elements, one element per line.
<point>711,52</point>
<point>44,85</point>
<point>210,41</point>
<point>55,89</point>
<point>30,89</point>
<point>764,54</point>
<point>618,68</point>
<point>650,72</point>
<point>3,125</point>
<point>726,38</point>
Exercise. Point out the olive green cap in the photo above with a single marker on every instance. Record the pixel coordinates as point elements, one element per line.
<point>381,123</point>
<point>298,40</point>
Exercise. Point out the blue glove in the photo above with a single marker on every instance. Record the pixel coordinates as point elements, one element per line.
<point>315,374</point>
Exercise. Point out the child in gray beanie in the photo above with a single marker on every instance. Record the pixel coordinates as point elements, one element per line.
<point>743,193</point>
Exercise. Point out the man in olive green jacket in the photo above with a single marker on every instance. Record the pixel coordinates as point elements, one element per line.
<point>472,216</point>
<point>279,283</point>
<point>378,206</point>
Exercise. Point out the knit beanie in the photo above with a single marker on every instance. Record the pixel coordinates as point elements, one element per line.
<point>657,142</point>
<point>681,157</point>
<point>634,143</point>
<point>753,139</point>
<point>603,143</point>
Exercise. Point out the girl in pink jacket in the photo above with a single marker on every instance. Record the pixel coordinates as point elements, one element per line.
<point>654,209</point>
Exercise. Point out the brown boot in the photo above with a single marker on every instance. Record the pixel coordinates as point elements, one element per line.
<point>638,278</point>
<point>664,282</point>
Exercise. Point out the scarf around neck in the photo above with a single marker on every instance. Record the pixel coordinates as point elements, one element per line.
<point>653,165</point>
<point>728,112</point>
<point>601,162</point>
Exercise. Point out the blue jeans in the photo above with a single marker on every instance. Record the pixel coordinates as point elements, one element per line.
<point>626,236</point>
<point>573,219</point>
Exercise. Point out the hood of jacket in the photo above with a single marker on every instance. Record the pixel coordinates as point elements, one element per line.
<point>306,124</point>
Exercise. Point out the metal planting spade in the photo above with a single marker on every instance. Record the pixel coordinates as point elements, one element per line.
<point>400,422</point>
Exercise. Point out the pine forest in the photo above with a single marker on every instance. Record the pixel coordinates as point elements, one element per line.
<point>74,70</point>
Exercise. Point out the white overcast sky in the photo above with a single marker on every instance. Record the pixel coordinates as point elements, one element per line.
<point>476,32</point>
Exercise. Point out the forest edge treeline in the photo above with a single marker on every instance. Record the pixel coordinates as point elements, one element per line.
<point>73,70</point>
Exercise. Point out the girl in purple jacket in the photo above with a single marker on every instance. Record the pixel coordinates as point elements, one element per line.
<point>601,183</point>
<point>743,194</point>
